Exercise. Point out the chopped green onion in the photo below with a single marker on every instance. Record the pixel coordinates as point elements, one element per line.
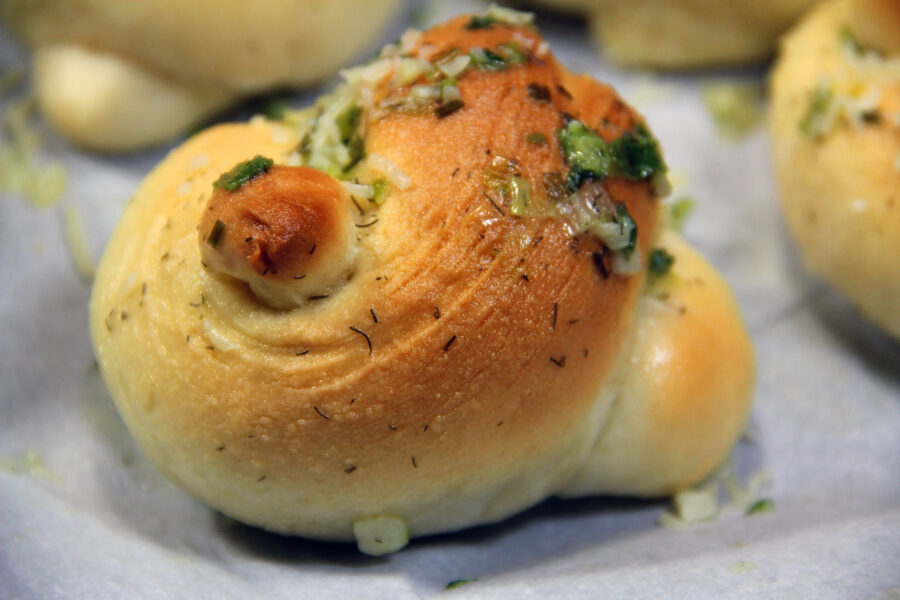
<point>585,152</point>
<point>459,582</point>
<point>500,58</point>
<point>659,262</point>
<point>815,122</point>
<point>348,121</point>
<point>481,22</point>
<point>760,506</point>
<point>216,234</point>
<point>243,172</point>
<point>679,211</point>
<point>635,155</point>
<point>380,187</point>
<point>356,147</point>
<point>537,138</point>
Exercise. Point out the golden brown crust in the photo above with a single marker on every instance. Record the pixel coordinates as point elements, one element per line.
<point>459,373</point>
<point>876,23</point>
<point>286,227</point>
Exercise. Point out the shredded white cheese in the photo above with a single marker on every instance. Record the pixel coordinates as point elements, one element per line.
<point>359,190</point>
<point>456,65</point>
<point>76,244</point>
<point>509,16</point>
<point>378,536</point>
<point>390,170</point>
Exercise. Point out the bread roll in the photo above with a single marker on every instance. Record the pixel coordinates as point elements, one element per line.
<point>487,335</point>
<point>115,76</point>
<point>686,34</point>
<point>836,135</point>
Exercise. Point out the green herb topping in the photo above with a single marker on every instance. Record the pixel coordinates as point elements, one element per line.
<point>815,122</point>
<point>481,22</point>
<point>628,228</point>
<point>659,262</point>
<point>216,234</point>
<point>243,172</point>
<point>348,121</point>
<point>380,189</point>
<point>500,58</point>
<point>760,506</point>
<point>634,155</point>
<point>679,211</point>
<point>585,152</point>
<point>459,582</point>
<point>537,138</point>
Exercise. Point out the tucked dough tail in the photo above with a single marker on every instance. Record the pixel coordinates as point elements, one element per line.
<point>682,397</point>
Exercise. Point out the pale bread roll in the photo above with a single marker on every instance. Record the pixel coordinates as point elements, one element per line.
<point>471,359</point>
<point>115,76</point>
<point>686,34</point>
<point>836,133</point>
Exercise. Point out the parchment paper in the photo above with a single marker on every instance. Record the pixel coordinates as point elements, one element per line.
<point>94,520</point>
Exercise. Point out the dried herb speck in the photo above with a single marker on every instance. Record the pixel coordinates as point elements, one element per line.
<point>216,234</point>
<point>365,335</point>
<point>538,92</point>
<point>449,343</point>
<point>494,204</point>
<point>600,263</point>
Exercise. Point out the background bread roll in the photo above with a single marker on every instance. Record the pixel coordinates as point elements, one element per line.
<point>836,135</point>
<point>115,76</point>
<point>471,359</point>
<point>686,34</point>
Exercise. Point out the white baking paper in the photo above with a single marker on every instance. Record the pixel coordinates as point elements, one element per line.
<point>91,519</point>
